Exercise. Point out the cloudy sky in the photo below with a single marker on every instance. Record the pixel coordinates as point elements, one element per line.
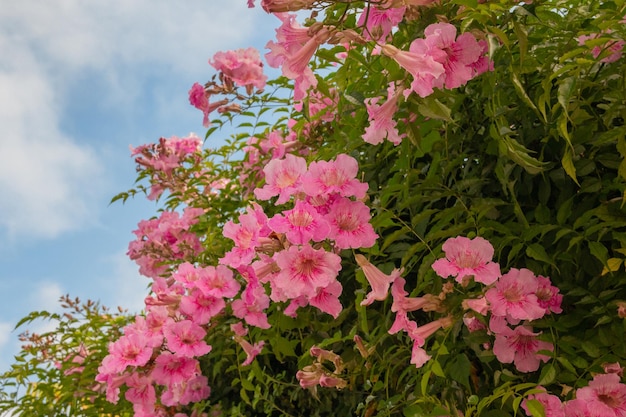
<point>80,81</point>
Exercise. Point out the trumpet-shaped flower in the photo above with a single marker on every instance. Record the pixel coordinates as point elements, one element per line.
<point>349,224</point>
<point>604,396</point>
<point>381,123</point>
<point>378,280</point>
<point>424,69</point>
<point>186,338</point>
<point>338,176</point>
<point>301,224</point>
<point>468,257</point>
<point>304,270</point>
<point>520,346</point>
<point>514,295</point>
<point>282,177</point>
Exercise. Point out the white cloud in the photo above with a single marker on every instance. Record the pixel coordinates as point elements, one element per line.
<point>125,288</point>
<point>47,178</point>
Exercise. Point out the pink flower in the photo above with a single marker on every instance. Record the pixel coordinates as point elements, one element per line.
<point>381,123</point>
<point>170,369</point>
<point>349,224</point>
<point>604,396</point>
<point>520,346</point>
<point>252,226</point>
<point>379,281</point>
<point>456,55</point>
<point>304,270</point>
<point>199,98</point>
<point>282,177</point>
<point>196,390</point>
<point>186,338</point>
<point>424,69</point>
<point>338,176</point>
<point>201,308</point>
<point>218,282</point>
<point>614,46</point>
<point>250,307</point>
<point>251,350</point>
<point>128,350</point>
<point>140,390</point>
<point>327,299</point>
<point>401,302</point>
<point>301,224</point>
<point>479,305</point>
<point>514,295</point>
<point>552,404</point>
<point>378,22</point>
<point>468,257</point>
<point>548,296</point>
<point>242,66</point>
<point>418,355</point>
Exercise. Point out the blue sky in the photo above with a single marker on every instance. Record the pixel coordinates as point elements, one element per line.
<point>80,81</point>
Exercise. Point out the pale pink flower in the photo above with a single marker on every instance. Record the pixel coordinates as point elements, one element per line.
<point>170,369</point>
<point>309,376</point>
<point>239,329</point>
<point>304,270</point>
<point>379,281</point>
<point>242,66</point>
<point>472,323</point>
<point>424,69</point>
<point>552,405</point>
<point>419,356</point>
<point>379,22</point>
<point>381,123</point>
<point>613,368</point>
<point>349,224</point>
<point>252,226</point>
<point>338,176</point>
<point>300,224</point>
<point>199,98</point>
<point>514,295</point>
<point>186,338</point>
<point>605,396</point>
<point>548,296</point>
<point>479,305</point>
<point>327,299</point>
<point>577,408</point>
<point>419,334</point>
<point>251,350</point>
<point>520,346</point>
<point>468,257</point>
<point>282,178</point>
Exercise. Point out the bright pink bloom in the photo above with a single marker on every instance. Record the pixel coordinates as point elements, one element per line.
<point>250,307</point>
<point>378,22</point>
<point>252,226</point>
<point>199,98</point>
<point>577,408</point>
<point>301,224</point>
<point>304,270</point>
<point>548,296</point>
<point>457,55</point>
<point>186,338</point>
<point>170,369</point>
<point>349,224</point>
<point>401,302</point>
<point>424,69</point>
<point>218,282</point>
<point>379,281</point>
<point>381,123</point>
<point>468,257</point>
<point>327,299</point>
<point>251,350</point>
<point>520,346</point>
<point>196,390</point>
<point>338,176</point>
<point>242,66</point>
<point>514,295</point>
<point>282,177</point>
<point>128,350</point>
<point>201,308</point>
<point>552,404</point>
<point>140,390</point>
<point>605,396</point>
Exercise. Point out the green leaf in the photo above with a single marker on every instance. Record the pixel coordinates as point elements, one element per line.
<point>548,374</point>
<point>433,108</point>
<point>537,252</point>
<point>600,251</point>
<point>535,408</point>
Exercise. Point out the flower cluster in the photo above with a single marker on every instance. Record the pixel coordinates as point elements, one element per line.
<point>164,239</point>
<point>513,299</point>
<point>294,251</point>
<point>162,160</point>
<point>605,396</point>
